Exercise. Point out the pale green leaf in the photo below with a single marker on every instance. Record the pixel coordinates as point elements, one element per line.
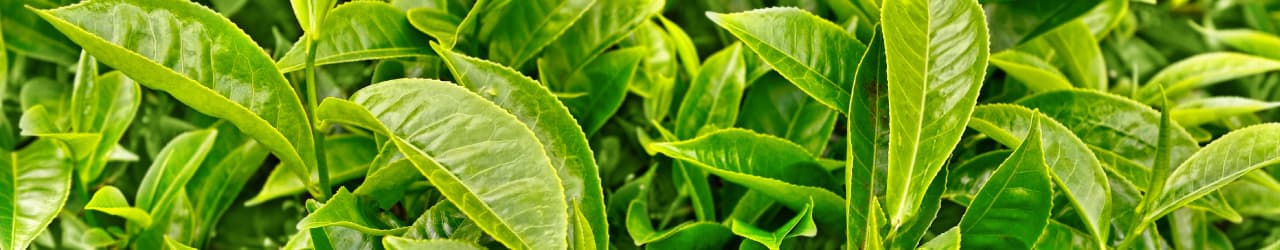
<point>933,79</point>
<point>1249,41</point>
<point>949,240</point>
<point>1218,164</point>
<point>110,200</point>
<point>233,80</point>
<point>481,158</point>
<point>347,210</point>
<point>35,183</point>
<point>173,168</point>
<point>359,31</point>
<point>1203,70</point>
<point>561,138</point>
<point>800,45</point>
<point>1036,73</point>
<point>1201,111</point>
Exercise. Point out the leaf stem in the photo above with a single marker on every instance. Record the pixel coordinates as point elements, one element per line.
<point>317,132</point>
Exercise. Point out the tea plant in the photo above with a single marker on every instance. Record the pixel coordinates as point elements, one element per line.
<point>626,124</point>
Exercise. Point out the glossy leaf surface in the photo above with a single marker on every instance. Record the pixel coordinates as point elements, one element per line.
<point>933,80</point>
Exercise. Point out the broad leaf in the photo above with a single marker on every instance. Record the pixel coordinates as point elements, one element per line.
<point>1075,170</point>
<point>799,46</point>
<point>933,79</point>
<point>561,138</point>
<point>458,140</point>
<point>173,167</point>
<point>34,185</point>
<point>233,79</point>
<point>1012,209</point>
<point>518,30</point>
<point>360,31</point>
<point>1116,124</point>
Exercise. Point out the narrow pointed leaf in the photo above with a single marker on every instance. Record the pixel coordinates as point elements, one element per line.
<point>1036,73</point>
<point>769,165</point>
<point>1074,168</point>
<point>173,167</point>
<point>937,56</point>
<point>1250,41</point>
<point>1201,111</point>
<point>1201,71</point>
<point>1012,209</point>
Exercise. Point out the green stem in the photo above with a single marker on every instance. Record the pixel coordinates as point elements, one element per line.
<point>317,133</point>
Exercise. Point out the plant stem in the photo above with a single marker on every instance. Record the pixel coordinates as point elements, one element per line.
<point>317,132</point>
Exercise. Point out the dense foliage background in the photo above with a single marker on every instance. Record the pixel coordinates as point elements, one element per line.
<point>624,124</point>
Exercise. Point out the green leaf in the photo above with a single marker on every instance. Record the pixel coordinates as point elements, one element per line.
<point>518,30</point>
<point>1073,49</point>
<point>1249,41</point>
<point>443,221</point>
<point>603,25</point>
<point>392,242</point>
<point>798,45</point>
<point>110,200</point>
<point>359,31</point>
<point>562,140</point>
<point>712,101</point>
<point>26,34</point>
<point>1036,73</point>
<point>311,15</point>
<point>1075,170</point>
<point>437,23</point>
<point>769,165</point>
<point>173,167</point>
<point>1060,236</point>
<point>36,183</point>
<point>867,146</point>
<point>387,184</point>
<point>800,225</point>
<point>105,106</point>
<point>1203,70</point>
<point>776,107</point>
<point>947,240</point>
<point>1014,22</point>
<point>347,210</point>
<point>1012,209</point>
<point>933,79</point>
<point>459,154</point>
<point>604,82</point>
<point>215,186</point>
<point>1201,111</point>
<point>350,160</point>
<point>1221,162</point>
<point>1116,124</point>
<point>247,91</point>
